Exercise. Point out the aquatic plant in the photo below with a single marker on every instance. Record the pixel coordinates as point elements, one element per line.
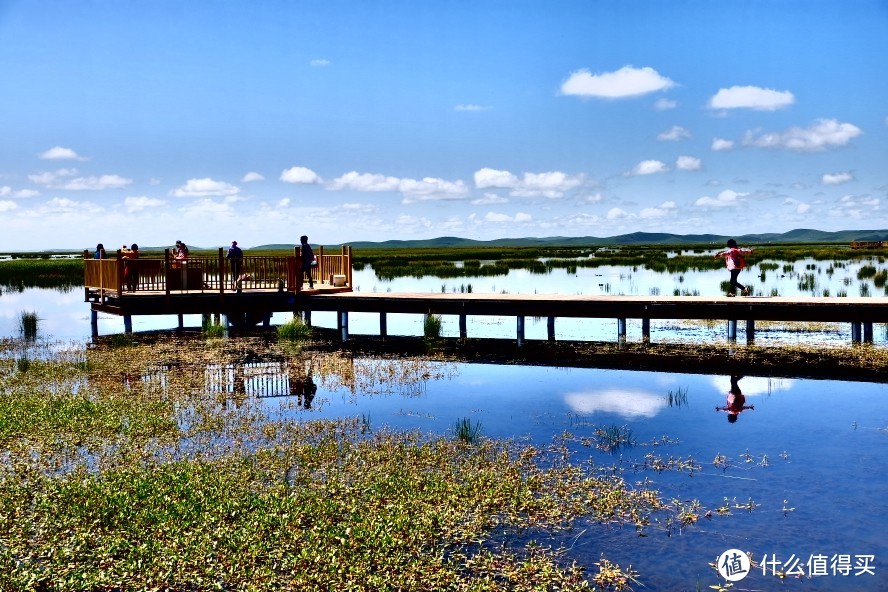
<point>466,431</point>
<point>293,330</point>
<point>613,438</point>
<point>213,330</point>
<point>28,322</point>
<point>431,326</point>
<point>677,398</point>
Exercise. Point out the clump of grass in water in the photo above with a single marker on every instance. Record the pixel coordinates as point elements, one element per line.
<point>28,322</point>
<point>293,330</point>
<point>214,330</point>
<point>431,326</point>
<point>466,431</point>
<point>678,398</point>
<point>23,364</point>
<point>612,438</point>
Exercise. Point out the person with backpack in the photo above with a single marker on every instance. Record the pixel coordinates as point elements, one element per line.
<point>735,260</point>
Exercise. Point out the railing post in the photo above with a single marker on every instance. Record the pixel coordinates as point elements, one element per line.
<point>222,272</point>
<point>348,267</point>
<point>321,266</point>
<point>166,271</point>
<point>119,273</point>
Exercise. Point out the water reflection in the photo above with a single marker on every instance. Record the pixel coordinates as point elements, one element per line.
<point>626,403</point>
<point>736,401</point>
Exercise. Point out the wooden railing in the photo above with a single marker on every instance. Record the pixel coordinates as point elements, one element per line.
<point>118,276</point>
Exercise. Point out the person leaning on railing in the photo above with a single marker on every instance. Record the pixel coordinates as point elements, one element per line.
<point>235,257</point>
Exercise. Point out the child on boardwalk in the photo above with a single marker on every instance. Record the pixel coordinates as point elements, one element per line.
<point>734,259</point>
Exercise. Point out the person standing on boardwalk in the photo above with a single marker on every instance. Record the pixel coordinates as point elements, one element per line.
<point>735,259</point>
<point>130,272</point>
<point>100,252</point>
<point>308,260</point>
<point>235,257</point>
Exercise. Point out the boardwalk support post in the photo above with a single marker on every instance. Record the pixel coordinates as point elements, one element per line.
<point>645,330</point>
<point>732,330</point>
<point>383,325</point>
<point>855,332</point>
<point>621,330</point>
<point>94,322</point>
<point>550,328</point>
<point>750,330</point>
<point>520,331</point>
<point>867,332</point>
<point>127,323</point>
<point>463,332</point>
<point>343,325</point>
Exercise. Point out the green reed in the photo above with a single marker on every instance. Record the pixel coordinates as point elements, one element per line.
<point>28,322</point>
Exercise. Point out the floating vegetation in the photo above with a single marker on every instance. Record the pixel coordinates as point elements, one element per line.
<point>613,438</point>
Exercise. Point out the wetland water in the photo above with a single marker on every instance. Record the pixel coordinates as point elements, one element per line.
<point>800,480</point>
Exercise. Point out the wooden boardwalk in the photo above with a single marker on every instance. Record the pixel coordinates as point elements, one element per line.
<point>274,286</point>
<point>859,313</point>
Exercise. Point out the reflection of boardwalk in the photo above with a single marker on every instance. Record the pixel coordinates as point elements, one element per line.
<point>859,313</point>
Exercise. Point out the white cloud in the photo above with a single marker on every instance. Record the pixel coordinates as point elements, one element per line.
<point>207,209</point>
<point>824,134</point>
<point>617,214</point>
<point>471,108</point>
<point>800,206</point>
<point>251,177</point>
<point>61,179</point>
<point>365,182</point>
<point>205,187</point>
<point>505,218</point>
<point>137,204</point>
<point>300,175</point>
<point>858,207</point>
<point>59,153</point>
<point>648,167</point>
<point>431,189</point>
<point>489,199</point>
<point>320,63</point>
<point>751,97</point>
<point>688,163</point>
<point>665,104</point>
<point>626,82</point>
<point>673,134</point>
<point>487,177</point>
<point>552,184</point>
<point>719,144</point>
<point>725,199</point>
<point>24,193</point>
<point>661,211</point>
<point>836,178</point>
<point>6,205</point>
<point>94,183</point>
<point>627,403</point>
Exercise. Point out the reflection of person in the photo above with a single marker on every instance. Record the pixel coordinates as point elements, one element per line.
<point>736,402</point>
<point>130,273</point>
<point>735,262</point>
<point>304,389</point>
<point>307,257</point>
<point>235,257</point>
<point>100,252</point>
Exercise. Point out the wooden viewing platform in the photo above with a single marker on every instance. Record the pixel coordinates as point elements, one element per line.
<point>203,286</point>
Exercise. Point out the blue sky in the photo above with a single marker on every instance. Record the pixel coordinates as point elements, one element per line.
<point>211,121</point>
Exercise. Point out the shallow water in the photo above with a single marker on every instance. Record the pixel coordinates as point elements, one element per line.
<point>811,456</point>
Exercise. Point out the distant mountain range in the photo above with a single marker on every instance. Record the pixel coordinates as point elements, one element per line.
<point>800,235</point>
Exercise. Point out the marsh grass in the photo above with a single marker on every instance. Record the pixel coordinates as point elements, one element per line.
<point>293,330</point>
<point>431,326</point>
<point>132,453</point>
<point>28,322</point>
<point>466,431</point>
<point>214,330</point>
<point>678,397</point>
<point>613,438</point>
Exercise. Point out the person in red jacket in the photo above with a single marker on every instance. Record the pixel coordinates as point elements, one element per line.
<point>735,260</point>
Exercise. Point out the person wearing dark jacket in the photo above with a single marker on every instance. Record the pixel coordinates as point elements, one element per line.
<point>308,260</point>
